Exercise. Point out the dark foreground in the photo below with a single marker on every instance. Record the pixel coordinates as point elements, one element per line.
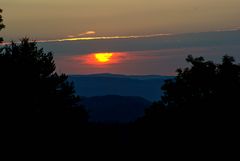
<point>169,131</point>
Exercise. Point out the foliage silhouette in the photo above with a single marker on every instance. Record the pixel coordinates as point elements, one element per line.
<point>30,86</point>
<point>205,87</point>
<point>200,103</point>
<point>1,25</point>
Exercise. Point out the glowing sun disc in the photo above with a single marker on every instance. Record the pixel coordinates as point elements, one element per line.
<point>103,57</point>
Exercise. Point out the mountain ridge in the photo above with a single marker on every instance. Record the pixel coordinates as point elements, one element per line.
<point>148,87</point>
<point>150,76</point>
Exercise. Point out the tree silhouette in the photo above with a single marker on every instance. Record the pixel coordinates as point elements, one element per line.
<point>205,87</point>
<point>1,25</point>
<point>29,84</point>
<point>200,103</point>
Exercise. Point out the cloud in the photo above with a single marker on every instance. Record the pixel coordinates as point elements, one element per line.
<point>82,34</point>
<point>80,37</point>
<point>70,36</point>
<point>87,33</point>
<point>237,28</point>
<point>77,38</point>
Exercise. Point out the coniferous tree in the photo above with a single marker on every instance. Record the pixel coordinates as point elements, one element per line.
<point>30,85</point>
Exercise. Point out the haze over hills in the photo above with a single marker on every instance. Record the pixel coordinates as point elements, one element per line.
<point>117,98</point>
<point>146,86</point>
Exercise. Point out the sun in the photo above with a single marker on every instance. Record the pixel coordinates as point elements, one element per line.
<point>103,57</point>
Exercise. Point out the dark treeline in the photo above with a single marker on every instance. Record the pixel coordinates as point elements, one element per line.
<point>205,87</point>
<point>202,103</point>
<point>201,99</point>
<point>30,86</point>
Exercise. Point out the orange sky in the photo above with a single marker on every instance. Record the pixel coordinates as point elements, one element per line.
<point>45,19</point>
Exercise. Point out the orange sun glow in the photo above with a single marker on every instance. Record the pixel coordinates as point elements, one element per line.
<point>103,57</point>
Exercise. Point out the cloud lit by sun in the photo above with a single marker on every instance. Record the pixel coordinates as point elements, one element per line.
<point>84,37</point>
<point>89,32</point>
<point>82,34</point>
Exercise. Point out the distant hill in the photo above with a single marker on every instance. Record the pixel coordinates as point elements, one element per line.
<point>146,86</point>
<point>113,108</point>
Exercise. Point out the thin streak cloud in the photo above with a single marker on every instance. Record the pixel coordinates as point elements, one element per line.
<point>71,38</point>
<point>126,37</point>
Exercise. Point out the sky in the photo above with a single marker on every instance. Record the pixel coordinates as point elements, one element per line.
<point>144,36</point>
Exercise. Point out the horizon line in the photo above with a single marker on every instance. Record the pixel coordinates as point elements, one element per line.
<point>91,74</point>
